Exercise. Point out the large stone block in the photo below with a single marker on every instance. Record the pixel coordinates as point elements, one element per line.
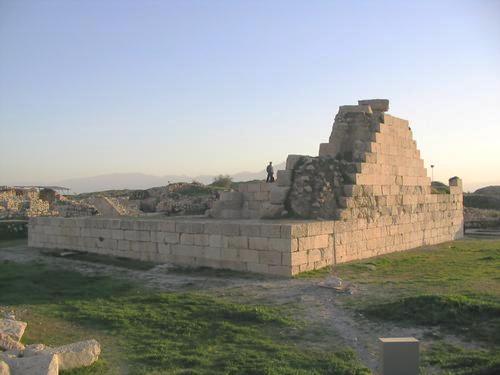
<point>258,243</point>
<point>280,244</point>
<point>189,227</point>
<point>355,109</point>
<point>250,230</point>
<point>270,230</point>
<point>43,364</point>
<point>270,257</point>
<point>237,242</point>
<point>271,211</point>
<point>8,343</point>
<point>291,160</point>
<point>279,194</point>
<point>399,356</point>
<point>248,255</point>
<point>284,177</point>
<point>230,229</point>
<point>79,354</point>
<point>13,328</point>
<point>231,196</point>
<point>4,368</point>
<point>257,267</point>
<point>328,149</point>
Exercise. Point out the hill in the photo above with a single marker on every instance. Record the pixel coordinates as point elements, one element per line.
<point>489,190</point>
<point>134,181</point>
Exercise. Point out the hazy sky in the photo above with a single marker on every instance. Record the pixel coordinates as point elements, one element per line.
<point>205,87</point>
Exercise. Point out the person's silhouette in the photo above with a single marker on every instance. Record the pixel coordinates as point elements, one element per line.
<point>270,172</point>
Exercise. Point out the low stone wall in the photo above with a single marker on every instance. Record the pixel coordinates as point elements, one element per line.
<point>277,247</point>
<point>280,248</point>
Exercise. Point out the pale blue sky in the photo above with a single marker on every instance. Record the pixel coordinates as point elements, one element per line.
<point>205,87</point>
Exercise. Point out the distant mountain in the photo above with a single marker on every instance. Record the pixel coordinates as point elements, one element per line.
<point>116,181</point>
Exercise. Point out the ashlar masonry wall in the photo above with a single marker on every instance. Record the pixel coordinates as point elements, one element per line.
<point>270,247</point>
<point>366,194</point>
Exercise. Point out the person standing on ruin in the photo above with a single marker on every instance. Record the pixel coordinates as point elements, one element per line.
<point>270,172</point>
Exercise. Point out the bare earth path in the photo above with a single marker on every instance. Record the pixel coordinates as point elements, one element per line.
<point>334,325</point>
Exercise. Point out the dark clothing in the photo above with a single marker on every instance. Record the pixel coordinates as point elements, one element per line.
<point>270,173</point>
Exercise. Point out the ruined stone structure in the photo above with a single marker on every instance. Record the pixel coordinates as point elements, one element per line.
<point>366,194</point>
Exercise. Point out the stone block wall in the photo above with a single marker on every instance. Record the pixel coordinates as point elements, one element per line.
<point>366,194</point>
<point>273,247</point>
<point>253,200</point>
<point>420,220</point>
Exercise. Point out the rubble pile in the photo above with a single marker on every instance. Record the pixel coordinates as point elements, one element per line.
<point>39,359</point>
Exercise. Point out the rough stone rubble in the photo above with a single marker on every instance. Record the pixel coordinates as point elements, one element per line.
<point>39,359</point>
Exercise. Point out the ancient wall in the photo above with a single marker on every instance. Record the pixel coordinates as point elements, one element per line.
<point>367,193</point>
<point>270,247</point>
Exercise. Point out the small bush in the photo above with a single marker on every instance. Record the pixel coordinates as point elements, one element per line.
<point>194,189</point>
<point>224,181</point>
<point>139,194</point>
<point>13,229</point>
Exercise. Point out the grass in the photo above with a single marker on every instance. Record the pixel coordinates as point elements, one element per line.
<point>454,287</point>
<point>148,332</point>
<point>470,317</point>
<point>13,242</point>
<point>128,263</point>
<point>457,361</point>
<point>465,267</point>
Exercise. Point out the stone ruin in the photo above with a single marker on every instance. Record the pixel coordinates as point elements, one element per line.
<point>366,194</point>
<point>37,359</point>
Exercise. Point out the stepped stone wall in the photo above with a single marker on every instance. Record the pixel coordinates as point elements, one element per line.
<point>367,193</point>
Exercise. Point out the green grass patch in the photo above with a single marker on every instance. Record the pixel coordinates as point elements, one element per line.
<point>162,333</point>
<point>315,274</point>
<point>454,287</point>
<point>458,361</point>
<point>13,243</point>
<point>458,314</point>
<point>465,267</point>
<point>216,273</point>
<point>132,264</point>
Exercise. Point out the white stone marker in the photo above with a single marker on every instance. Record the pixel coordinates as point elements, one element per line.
<point>399,355</point>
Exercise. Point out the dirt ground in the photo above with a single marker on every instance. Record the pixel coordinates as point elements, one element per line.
<point>322,307</point>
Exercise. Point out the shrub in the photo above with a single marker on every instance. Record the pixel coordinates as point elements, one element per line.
<point>223,181</point>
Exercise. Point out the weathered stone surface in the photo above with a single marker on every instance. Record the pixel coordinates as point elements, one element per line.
<point>272,211</point>
<point>13,328</point>
<point>4,368</point>
<point>284,178</point>
<point>43,364</point>
<point>70,356</point>
<point>355,108</point>
<point>35,349</point>
<point>78,354</point>
<point>291,160</point>
<point>377,105</point>
<point>8,343</point>
<point>279,194</point>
